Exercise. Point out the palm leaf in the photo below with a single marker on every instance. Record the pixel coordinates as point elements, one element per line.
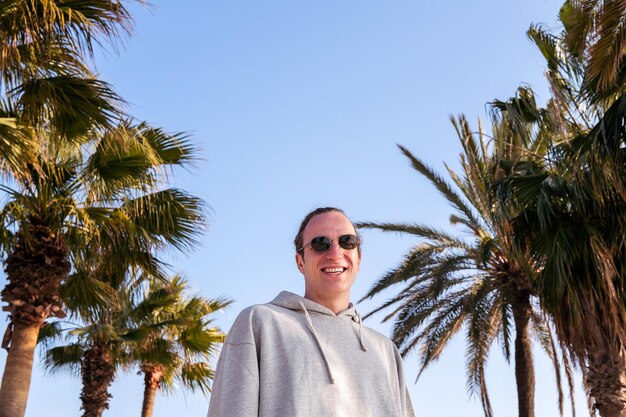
<point>77,105</point>
<point>64,358</point>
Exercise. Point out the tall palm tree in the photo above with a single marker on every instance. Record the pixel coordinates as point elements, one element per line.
<point>572,220</point>
<point>51,107</point>
<point>484,283</point>
<point>182,348</point>
<point>71,203</point>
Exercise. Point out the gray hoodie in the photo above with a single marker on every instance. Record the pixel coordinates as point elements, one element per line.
<point>296,358</point>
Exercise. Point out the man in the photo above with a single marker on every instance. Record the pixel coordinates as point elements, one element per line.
<point>311,356</point>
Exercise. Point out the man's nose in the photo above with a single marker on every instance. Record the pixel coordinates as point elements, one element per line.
<point>335,251</point>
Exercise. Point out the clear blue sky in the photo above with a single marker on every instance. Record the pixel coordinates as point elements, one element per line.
<point>299,104</point>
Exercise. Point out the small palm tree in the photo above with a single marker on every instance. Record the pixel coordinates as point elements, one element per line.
<point>484,283</point>
<point>100,344</point>
<point>168,336</point>
<point>182,348</point>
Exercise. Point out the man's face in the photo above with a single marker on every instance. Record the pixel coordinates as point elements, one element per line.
<point>329,274</point>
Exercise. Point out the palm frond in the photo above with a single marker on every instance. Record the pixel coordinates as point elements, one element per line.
<point>172,149</point>
<point>440,184</point>
<point>86,294</point>
<point>198,339</point>
<point>64,358</point>
<point>197,376</point>
<point>170,215</point>
<point>440,330</point>
<point>482,327</point>
<point>413,266</point>
<point>506,316</point>
<point>416,230</point>
<point>16,144</point>
<point>77,105</point>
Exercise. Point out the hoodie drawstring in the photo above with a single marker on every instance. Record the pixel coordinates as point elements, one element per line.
<point>319,345</point>
<point>357,318</point>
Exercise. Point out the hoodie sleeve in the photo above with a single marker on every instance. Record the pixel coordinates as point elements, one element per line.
<point>404,390</point>
<point>235,390</point>
<point>408,406</point>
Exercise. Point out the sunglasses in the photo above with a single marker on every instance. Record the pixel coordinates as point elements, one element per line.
<point>323,243</point>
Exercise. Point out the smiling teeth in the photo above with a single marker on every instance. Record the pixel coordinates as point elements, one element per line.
<point>333,270</point>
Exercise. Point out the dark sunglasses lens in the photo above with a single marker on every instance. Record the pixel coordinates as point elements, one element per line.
<point>320,243</point>
<point>348,241</point>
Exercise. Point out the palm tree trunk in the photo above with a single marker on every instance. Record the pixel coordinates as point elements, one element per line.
<point>524,368</point>
<point>35,269</point>
<point>98,372</point>
<point>605,378</point>
<point>18,370</point>
<point>151,384</point>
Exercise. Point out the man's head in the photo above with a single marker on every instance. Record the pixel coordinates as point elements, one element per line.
<point>329,265</point>
<point>299,239</point>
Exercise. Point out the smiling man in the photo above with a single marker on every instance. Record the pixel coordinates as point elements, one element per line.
<point>311,356</point>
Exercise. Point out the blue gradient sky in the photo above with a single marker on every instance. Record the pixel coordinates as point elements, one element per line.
<point>299,104</point>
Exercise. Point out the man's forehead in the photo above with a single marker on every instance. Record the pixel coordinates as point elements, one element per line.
<point>329,222</point>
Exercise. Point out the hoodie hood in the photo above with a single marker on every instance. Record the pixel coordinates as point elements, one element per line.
<point>293,301</point>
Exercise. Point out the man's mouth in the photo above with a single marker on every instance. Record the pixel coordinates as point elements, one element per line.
<point>334,269</point>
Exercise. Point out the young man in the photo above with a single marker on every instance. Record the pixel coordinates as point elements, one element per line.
<point>311,356</point>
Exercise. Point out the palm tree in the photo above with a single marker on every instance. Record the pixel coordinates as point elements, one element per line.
<point>485,283</point>
<point>99,345</point>
<point>67,206</point>
<point>574,221</point>
<point>181,349</point>
<point>571,219</point>
<point>51,108</point>
<point>167,335</point>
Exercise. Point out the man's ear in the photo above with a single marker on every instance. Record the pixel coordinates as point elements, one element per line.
<point>300,262</point>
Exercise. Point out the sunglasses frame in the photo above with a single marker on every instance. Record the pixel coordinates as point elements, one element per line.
<point>329,242</point>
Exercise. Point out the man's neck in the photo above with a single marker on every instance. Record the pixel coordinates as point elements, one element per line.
<point>335,304</point>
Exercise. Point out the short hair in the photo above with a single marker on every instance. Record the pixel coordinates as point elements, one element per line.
<point>298,241</point>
